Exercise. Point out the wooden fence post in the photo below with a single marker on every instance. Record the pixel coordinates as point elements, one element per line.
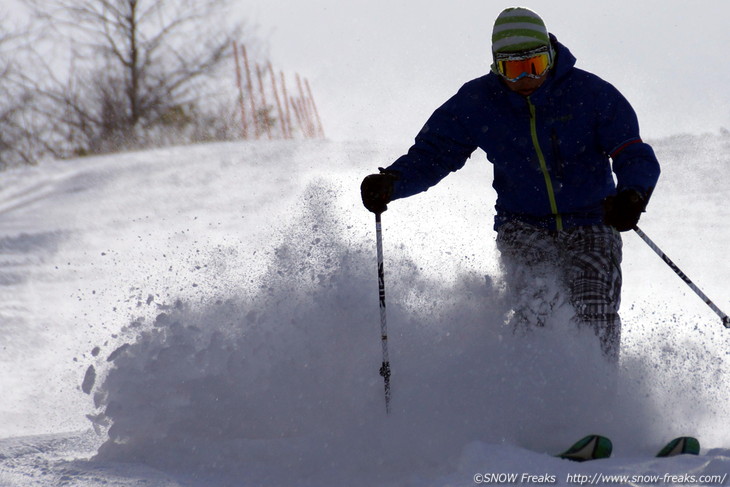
<point>244,124</point>
<point>320,130</point>
<point>254,113</point>
<point>298,115</point>
<point>282,122</point>
<point>265,108</point>
<point>286,104</point>
<point>306,117</point>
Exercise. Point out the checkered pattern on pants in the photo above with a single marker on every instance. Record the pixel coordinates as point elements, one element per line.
<point>586,260</point>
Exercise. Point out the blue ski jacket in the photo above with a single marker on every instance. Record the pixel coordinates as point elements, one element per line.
<point>551,151</point>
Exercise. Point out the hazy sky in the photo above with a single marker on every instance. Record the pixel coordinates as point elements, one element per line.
<point>380,67</point>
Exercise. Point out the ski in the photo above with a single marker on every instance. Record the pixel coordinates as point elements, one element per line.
<point>684,445</point>
<point>592,447</point>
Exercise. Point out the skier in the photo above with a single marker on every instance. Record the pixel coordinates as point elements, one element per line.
<point>556,136</point>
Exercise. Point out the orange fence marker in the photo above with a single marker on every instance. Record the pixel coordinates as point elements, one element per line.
<point>304,109</point>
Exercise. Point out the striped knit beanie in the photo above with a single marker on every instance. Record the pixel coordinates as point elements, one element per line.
<point>518,29</point>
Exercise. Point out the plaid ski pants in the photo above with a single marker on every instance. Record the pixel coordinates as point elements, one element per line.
<point>587,262</point>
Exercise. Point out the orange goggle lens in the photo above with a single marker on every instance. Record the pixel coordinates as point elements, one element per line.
<point>533,67</point>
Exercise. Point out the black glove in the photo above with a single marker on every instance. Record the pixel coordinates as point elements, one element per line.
<point>623,210</point>
<point>377,189</point>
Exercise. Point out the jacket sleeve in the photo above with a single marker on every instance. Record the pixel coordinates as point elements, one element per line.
<point>442,146</point>
<point>634,162</point>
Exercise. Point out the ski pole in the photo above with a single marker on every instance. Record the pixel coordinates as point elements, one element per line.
<point>668,261</point>
<point>385,367</point>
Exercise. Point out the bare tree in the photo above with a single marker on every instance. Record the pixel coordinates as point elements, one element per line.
<point>129,70</point>
<point>16,146</point>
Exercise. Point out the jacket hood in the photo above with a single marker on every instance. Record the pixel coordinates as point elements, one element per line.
<point>564,59</point>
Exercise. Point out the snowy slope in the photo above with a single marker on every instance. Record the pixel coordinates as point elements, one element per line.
<point>225,297</point>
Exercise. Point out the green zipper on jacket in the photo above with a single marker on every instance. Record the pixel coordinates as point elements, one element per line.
<point>543,167</point>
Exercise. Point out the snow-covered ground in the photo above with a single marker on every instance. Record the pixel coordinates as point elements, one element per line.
<point>219,305</point>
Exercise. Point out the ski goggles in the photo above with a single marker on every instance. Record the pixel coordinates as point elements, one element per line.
<point>530,64</point>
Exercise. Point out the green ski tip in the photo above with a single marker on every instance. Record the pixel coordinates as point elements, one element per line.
<point>684,445</point>
<point>592,447</point>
